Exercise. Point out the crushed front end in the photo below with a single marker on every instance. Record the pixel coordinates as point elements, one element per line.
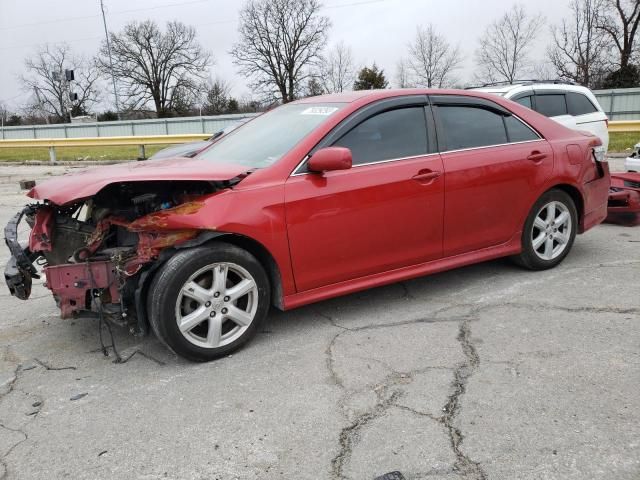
<point>97,253</point>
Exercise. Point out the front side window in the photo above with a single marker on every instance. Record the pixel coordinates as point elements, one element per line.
<point>263,141</point>
<point>389,135</point>
<point>551,105</point>
<point>469,127</point>
<point>579,104</point>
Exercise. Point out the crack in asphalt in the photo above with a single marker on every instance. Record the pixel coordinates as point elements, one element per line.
<point>349,435</point>
<point>549,307</point>
<point>3,462</point>
<point>330,362</point>
<point>3,457</point>
<point>463,465</point>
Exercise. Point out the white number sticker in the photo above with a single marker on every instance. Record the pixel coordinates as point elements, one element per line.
<point>324,111</point>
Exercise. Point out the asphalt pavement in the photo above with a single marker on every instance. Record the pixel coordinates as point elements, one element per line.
<point>485,372</point>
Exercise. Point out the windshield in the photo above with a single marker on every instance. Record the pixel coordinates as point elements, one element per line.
<point>266,139</point>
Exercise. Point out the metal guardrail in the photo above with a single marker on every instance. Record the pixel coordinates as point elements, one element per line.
<point>102,141</point>
<point>140,141</point>
<point>622,126</point>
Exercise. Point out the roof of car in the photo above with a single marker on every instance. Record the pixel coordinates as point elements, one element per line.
<point>349,97</point>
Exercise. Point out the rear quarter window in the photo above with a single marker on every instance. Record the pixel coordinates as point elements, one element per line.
<point>518,131</point>
<point>551,104</point>
<point>579,104</point>
<point>524,101</point>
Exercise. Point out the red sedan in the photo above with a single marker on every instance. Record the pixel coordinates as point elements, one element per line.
<point>317,198</point>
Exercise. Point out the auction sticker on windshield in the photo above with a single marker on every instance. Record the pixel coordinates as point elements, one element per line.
<point>326,111</point>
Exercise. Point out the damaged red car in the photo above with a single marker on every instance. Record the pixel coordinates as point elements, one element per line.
<point>314,199</point>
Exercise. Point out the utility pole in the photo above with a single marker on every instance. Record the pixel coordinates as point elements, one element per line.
<point>113,78</point>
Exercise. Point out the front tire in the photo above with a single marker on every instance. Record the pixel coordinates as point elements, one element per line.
<point>208,302</point>
<point>549,231</point>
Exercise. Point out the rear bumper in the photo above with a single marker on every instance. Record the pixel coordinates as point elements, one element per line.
<point>624,199</point>
<point>595,217</point>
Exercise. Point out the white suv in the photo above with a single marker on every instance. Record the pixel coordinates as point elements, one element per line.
<point>571,105</point>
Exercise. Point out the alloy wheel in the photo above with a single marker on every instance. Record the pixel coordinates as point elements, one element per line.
<point>216,305</point>
<point>551,230</point>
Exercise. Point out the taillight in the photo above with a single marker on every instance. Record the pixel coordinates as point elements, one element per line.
<point>599,154</point>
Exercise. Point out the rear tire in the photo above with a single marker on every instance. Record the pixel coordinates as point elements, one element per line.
<point>208,302</point>
<point>549,231</point>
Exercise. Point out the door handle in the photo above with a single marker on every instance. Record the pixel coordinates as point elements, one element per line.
<point>537,156</point>
<point>426,176</point>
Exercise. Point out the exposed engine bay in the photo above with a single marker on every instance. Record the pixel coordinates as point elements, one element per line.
<point>96,253</point>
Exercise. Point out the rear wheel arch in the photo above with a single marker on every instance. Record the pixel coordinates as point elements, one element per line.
<point>578,201</point>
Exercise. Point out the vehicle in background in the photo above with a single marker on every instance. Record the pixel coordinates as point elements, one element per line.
<point>571,105</point>
<point>632,162</point>
<point>314,199</point>
<point>191,149</point>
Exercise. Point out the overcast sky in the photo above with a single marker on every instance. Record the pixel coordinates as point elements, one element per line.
<point>376,30</point>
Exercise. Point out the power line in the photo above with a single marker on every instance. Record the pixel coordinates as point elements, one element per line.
<point>118,12</point>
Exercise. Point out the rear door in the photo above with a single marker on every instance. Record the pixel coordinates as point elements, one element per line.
<point>494,166</point>
<point>588,117</point>
<point>383,213</point>
<point>553,104</point>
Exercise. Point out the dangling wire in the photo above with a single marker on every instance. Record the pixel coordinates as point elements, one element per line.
<point>101,317</point>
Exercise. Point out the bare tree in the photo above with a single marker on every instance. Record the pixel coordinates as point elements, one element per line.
<point>402,76</point>
<point>504,47</point>
<point>432,60</point>
<point>337,70</point>
<point>620,23</point>
<point>164,68</point>
<point>45,78</point>
<point>580,49</point>
<point>280,43</point>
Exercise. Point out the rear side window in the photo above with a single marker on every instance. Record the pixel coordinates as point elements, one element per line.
<point>551,105</point>
<point>518,131</point>
<point>468,127</point>
<point>524,101</point>
<point>579,104</point>
<point>389,135</point>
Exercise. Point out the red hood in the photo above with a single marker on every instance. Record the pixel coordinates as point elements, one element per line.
<point>77,186</point>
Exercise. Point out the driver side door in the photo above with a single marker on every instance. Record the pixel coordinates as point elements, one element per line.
<point>384,213</point>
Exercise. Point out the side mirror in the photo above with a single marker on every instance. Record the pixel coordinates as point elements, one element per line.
<point>329,159</point>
